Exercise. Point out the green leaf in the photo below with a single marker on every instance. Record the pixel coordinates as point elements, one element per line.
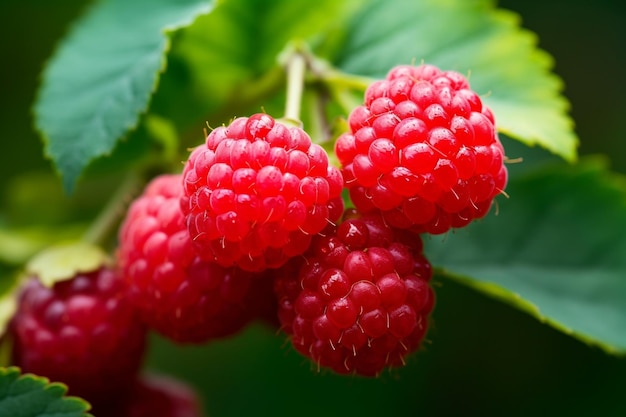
<point>472,37</point>
<point>102,76</point>
<point>66,260</point>
<point>32,396</point>
<point>555,250</point>
<point>228,60</point>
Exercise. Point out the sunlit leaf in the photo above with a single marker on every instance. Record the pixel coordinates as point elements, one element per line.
<point>472,37</point>
<point>66,260</point>
<point>102,77</point>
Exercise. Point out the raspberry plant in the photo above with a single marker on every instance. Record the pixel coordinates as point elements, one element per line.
<point>342,181</point>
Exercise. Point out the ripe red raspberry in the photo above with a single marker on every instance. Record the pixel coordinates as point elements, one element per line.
<point>158,396</point>
<point>256,192</point>
<point>423,149</point>
<point>81,331</point>
<point>359,300</point>
<point>181,296</point>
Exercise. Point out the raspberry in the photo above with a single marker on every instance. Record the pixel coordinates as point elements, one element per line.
<point>158,396</point>
<point>359,299</point>
<point>422,149</point>
<point>256,192</point>
<point>82,332</point>
<point>181,296</point>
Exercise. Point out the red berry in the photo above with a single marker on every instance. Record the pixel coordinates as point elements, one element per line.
<point>158,396</point>
<point>82,331</point>
<point>256,192</point>
<point>180,295</point>
<point>359,300</point>
<point>422,140</point>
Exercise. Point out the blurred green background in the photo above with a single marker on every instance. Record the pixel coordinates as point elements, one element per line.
<point>483,358</point>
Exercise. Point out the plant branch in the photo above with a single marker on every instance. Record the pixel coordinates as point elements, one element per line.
<point>296,70</point>
<point>343,80</point>
<point>105,225</point>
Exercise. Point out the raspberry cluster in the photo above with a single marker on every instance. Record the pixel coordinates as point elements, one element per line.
<point>254,228</point>
<point>423,150</point>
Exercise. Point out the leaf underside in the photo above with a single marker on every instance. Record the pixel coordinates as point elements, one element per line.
<point>555,249</point>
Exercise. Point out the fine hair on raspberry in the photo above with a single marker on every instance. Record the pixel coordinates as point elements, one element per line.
<point>423,150</point>
<point>359,300</point>
<point>257,191</point>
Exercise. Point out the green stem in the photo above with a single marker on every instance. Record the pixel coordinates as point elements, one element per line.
<point>105,225</point>
<point>296,70</point>
<point>342,80</point>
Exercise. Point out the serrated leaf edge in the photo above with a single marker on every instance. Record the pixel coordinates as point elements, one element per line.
<point>166,32</point>
<point>16,374</point>
<point>515,300</point>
